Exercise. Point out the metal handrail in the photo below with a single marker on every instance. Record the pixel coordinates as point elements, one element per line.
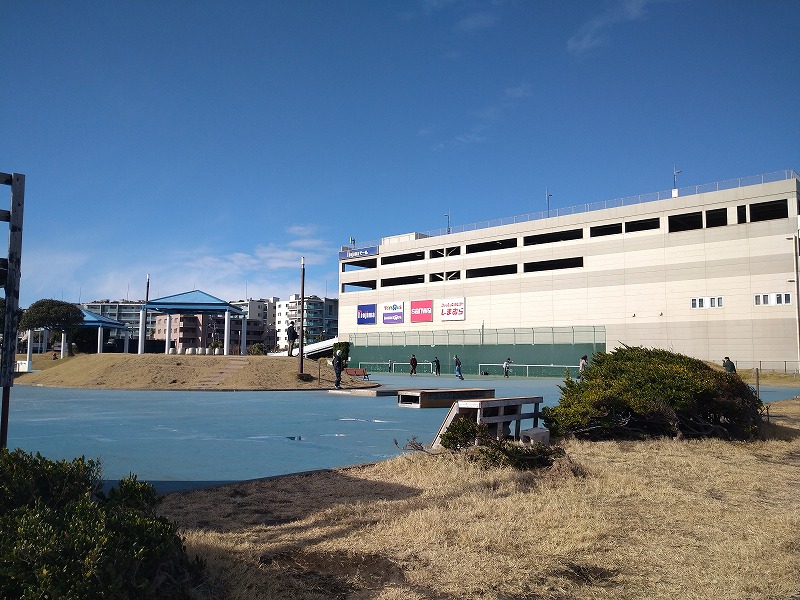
<point>604,204</point>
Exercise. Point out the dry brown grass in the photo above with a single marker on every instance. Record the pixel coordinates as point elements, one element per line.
<point>173,372</point>
<point>622,520</point>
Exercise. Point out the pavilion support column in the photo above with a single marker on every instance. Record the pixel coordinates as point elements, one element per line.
<point>63,344</point>
<point>169,334</point>
<point>227,346</point>
<point>30,347</point>
<point>127,340</point>
<point>141,331</point>
<point>100,340</point>
<point>243,349</point>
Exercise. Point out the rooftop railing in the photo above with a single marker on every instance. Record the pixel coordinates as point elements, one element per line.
<point>605,204</point>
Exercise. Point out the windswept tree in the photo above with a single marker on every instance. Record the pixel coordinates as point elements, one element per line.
<point>51,314</point>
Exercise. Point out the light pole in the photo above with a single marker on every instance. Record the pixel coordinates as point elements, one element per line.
<point>548,196</point>
<point>302,303</point>
<point>447,214</point>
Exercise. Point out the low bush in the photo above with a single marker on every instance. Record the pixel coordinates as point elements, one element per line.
<point>468,436</point>
<point>61,537</point>
<point>636,392</point>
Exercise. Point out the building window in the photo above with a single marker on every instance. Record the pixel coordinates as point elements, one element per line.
<point>787,298</point>
<point>601,230</point>
<point>493,245</point>
<point>442,252</point>
<point>401,258</point>
<point>707,302</point>
<point>492,271</point>
<point>741,214</point>
<point>717,217</point>
<point>555,236</point>
<point>685,222</point>
<point>642,225</point>
<point>769,211</point>
<point>360,286</point>
<point>445,276</point>
<point>408,280</point>
<point>555,264</point>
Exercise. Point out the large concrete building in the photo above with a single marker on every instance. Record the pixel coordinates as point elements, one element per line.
<point>709,271</point>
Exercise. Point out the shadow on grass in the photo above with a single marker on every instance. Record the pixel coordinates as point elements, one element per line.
<point>781,420</point>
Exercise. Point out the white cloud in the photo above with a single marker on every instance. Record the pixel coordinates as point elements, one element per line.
<point>594,33</point>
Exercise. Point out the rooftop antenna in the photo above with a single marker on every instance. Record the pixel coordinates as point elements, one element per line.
<point>447,214</point>
<point>549,195</point>
<point>675,172</point>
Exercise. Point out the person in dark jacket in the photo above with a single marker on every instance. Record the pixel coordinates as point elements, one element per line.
<point>291,336</point>
<point>337,369</point>
<point>728,365</point>
<point>413,365</point>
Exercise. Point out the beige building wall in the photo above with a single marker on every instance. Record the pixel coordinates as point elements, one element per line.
<point>638,285</point>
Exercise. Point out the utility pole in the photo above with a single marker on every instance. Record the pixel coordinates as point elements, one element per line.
<point>302,306</point>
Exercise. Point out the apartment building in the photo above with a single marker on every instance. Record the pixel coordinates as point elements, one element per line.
<point>125,311</point>
<point>709,271</point>
<point>320,318</point>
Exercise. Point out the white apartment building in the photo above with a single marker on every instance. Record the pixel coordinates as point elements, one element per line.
<point>320,318</point>
<point>708,271</point>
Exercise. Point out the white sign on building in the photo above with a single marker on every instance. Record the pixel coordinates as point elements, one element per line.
<point>452,309</point>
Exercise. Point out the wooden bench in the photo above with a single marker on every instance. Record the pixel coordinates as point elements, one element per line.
<point>358,373</point>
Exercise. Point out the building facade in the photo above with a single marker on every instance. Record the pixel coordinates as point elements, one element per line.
<point>320,318</point>
<point>125,311</point>
<point>708,271</point>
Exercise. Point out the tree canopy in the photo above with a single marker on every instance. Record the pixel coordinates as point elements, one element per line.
<point>51,314</point>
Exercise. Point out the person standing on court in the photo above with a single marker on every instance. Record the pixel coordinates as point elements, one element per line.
<point>337,369</point>
<point>437,366</point>
<point>506,367</point>
<point>291,336</point>
<point>413,365</point>
<point>458,367</point>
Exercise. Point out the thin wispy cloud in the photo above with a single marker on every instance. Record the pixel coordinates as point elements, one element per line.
<point>523,90</point>
<point>595,32</point>
<point>476,22</point>
<point>485,118</point>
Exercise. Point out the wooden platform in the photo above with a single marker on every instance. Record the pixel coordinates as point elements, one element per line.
<point>441,398</point>
<point>497,413</point>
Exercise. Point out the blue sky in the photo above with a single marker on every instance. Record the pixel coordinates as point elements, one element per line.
<point>212,144</point>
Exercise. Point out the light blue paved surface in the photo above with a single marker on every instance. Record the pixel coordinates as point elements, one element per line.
<point>191,439</point>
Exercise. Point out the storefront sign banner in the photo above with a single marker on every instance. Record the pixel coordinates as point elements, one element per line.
<point>452,309</point>
<point>367,314</point>
<point>421,311</point>
<point>392,313</point>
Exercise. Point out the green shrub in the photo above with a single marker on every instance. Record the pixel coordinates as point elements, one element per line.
<point>465,434</point>
<point>60,537</point>
<point>636,392</point>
